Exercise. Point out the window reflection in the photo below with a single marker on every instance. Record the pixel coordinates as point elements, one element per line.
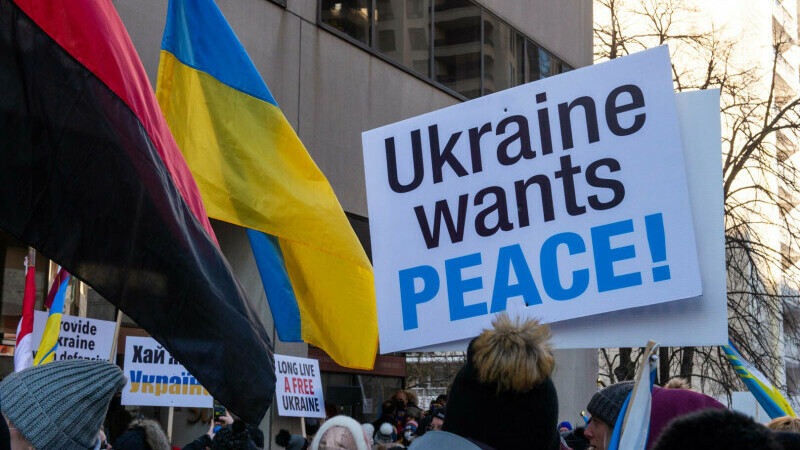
<point>402,28</point>
<point>457,46</point>
<point>405,32</point>
<point>503,58</point>
<point>351,17</point>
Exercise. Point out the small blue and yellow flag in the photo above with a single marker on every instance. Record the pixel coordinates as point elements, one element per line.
<point>633,422</point>
<point>768,397</point>
<point>253,171</point>
<point>49,344</point>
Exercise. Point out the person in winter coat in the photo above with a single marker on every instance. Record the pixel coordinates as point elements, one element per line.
<point>340,433</point>
<point>204,441</point>
<point>667,404</point>
<point>142,434</point>
<point>503,397</point>
<point>387,414</point>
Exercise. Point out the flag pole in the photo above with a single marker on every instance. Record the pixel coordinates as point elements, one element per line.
<point>170,418</point>
<point>113,355</point>
<point>31,258</point>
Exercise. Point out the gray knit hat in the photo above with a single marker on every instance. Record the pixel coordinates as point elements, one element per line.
<point>606,404</point>
<point>61,405</point>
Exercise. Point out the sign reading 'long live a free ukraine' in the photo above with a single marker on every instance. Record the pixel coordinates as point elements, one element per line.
<point>556,199</point>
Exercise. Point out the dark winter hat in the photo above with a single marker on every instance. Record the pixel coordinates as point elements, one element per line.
<point>61,405</point>
<point>566,425</point>
<point>787,440</point>
<point>290,441</point>
<point>131,440</point>
<point>256,435</point>
<point>716,428</point>
<point>142,434</point>
<point>606,404</point>
<point>231,437</point>
<point>384,434</point>
<point>5,436</point>
<point>508,369</point>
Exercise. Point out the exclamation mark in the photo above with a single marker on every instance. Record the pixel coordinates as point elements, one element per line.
<point>658,245</point>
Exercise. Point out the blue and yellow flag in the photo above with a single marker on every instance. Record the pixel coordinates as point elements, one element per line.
<point>768,397</point>
<point>253,171</point>
<point>49,344</point>
<point>633,421</point>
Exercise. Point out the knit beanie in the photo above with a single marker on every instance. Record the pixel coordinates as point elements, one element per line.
<point>61,405</point>
<point>231,437</point>
<point>384,434</point>
<point>5,436</point>
<point>606,404</point>
<point>508,369</point>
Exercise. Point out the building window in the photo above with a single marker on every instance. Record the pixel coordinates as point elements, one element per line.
<point>402,32</point>
<point>456,44</point>
<point>351,17</point>
<point>502,55</point>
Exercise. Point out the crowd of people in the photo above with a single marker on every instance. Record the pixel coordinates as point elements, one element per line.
<point>502,398</point>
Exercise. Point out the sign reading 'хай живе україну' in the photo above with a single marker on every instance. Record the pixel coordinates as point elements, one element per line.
<point>155,378</point>
<point>556,199</point>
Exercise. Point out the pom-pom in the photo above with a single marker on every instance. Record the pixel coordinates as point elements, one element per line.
<point>283,438</point>
<point>513,355</point>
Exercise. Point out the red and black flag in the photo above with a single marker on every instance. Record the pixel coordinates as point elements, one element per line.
<point>91,177</point>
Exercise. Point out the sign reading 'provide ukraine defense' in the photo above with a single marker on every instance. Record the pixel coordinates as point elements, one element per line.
<point>155,378</point>
<point>557,199</point>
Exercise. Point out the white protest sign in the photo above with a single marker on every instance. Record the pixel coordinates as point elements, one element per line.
<point>700,321</point>
<point>557,199</point>
<point>78,338</point>
<point>157,379</point>
<point>298,387</point>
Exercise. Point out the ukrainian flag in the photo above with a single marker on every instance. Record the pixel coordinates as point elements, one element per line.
<point>253,171</point>
<point>768,397</point>
<point>49,344</point>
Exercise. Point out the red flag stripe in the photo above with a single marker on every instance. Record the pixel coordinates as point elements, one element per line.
<point>26,326</point>
<point>51,294</point>
<point>120,70</point>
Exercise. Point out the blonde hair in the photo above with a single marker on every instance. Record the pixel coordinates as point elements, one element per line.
<point>678,383</point>
<point>513,355</point>
<point>785,423</point>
